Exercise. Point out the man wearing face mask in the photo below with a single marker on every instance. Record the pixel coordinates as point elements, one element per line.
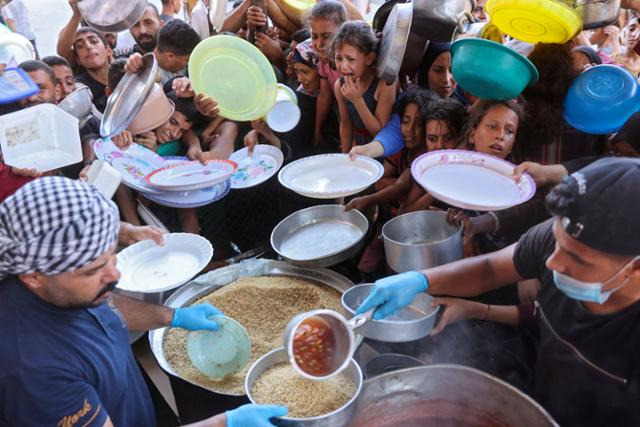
<point>587,259</point>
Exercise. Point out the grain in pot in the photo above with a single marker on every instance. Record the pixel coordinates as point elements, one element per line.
<point>263,305</point>
<point>282,385</point>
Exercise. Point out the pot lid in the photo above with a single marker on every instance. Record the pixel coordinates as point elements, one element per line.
<point>394,41</point>
<point>535,21</point>
<point>128,97</point>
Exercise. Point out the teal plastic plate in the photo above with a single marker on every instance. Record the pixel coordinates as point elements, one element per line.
<point>222,352</point>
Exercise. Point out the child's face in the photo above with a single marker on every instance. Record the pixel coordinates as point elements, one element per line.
<point>411,126</point>
<point>496,132</point>
<point>439,136</point>
<point>307,77</point>
<point>321,33</point>
<point>352,62</point>
<point>440,77</point>
<point>173,128</point>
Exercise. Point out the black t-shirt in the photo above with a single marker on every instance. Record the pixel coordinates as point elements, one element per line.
<point>587,371</point>
<point>96,88</point>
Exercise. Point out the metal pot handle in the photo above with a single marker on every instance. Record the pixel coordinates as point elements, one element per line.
<point>360,319</point>
<point>462,18</point>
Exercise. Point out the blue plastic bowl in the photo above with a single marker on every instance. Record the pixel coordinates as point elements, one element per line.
<point>490,70</point>
<point>601,99</point>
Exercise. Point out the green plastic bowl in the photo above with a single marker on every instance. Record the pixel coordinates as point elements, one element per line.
<point>236,74</point>
<point>490,70</point>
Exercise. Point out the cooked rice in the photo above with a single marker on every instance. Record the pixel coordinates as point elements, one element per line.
<point>281,385</point>
<point>263,305</point>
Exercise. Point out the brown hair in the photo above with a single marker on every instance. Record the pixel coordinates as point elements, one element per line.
<point>480,109</point>
<point>545,99</point>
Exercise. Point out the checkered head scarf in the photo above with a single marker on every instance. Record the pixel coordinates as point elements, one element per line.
<point>54,225</point>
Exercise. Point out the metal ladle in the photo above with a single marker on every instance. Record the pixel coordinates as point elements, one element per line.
<point>343,337</point>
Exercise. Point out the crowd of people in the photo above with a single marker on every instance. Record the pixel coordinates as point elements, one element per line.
<point>581,221</point>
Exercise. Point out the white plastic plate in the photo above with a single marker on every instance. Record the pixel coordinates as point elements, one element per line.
<point>471,180</point>
<point>191,199</point>
<point>147,267</point>
<point>330,176</point>
<point>262,165</point>
<point>188,176</point>
<point>134,163</point>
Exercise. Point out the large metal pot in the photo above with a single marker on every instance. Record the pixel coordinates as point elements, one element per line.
<point>436,20</point>
<point>596,13</point>
<point>337,418</point>
<point>111,16</point>
<point>451,395</point>
<point>420,240</point>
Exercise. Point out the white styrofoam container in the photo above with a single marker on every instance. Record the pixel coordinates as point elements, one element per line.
<point>105,177</point>
<point>43,137</point>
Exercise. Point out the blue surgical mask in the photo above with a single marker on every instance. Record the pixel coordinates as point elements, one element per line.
<point>587,291</point>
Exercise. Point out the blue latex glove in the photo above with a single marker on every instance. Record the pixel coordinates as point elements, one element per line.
<point>252,415</point>
<point>393,293</point>
<point>195,318</point>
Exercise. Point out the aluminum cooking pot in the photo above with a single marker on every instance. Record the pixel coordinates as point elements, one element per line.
<point>595,13</point>
<point>445,395</point>
<point>111,16</point>
<point>420,240</point>
<point>436,20</point>
<point>395,36</point>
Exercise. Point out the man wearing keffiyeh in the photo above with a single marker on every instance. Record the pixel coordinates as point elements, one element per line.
<point>65,358</point>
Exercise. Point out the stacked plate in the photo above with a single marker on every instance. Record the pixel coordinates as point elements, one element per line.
<point>168,181</point>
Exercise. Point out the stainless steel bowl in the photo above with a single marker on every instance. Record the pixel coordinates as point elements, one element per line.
<point>111,16</point>
<point>78,103</point>
<point>409,324</point>
<point>128,97</point>
<point>420,240</point>
<point>595,13</point>
<point>191,292</point>
<point>336,234</point>
<point>338,418</point>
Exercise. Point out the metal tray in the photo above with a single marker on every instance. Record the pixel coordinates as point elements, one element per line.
<point>190,292</point>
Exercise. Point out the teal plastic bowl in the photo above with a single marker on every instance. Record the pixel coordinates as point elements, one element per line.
<point>601,99</point>
<point>490,70</point>
<point>222,352</point>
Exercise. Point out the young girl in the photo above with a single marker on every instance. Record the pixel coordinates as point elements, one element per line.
<point>324,20</point>
<point>427,125</point>
<point>491,128</point>
<point>434,74</point>
<point>416,108</point>
<point>364,101</point>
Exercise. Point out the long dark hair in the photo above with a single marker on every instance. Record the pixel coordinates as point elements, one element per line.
<point>544,100</point>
